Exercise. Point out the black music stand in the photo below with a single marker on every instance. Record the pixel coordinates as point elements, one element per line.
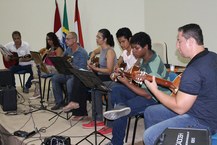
<point>42,107</point>
<point>90,80</point>
<point>41,67</point>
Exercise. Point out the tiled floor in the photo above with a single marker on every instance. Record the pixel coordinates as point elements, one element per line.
<point>49,124</point>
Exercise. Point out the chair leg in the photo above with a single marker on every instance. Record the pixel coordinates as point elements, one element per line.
<point>43,93</point>
<point>135,127</point>
<point>24,79</point>
<point>105,99</point>
<point>128,128</point>
<point>20,81</point>
<point>48,88</point>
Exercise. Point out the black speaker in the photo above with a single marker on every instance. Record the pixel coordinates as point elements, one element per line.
<point>6,78</point>
<point>8,98</point>
<point>184,136</point>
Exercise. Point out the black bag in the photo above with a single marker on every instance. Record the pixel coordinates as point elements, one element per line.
<point>57,140</point>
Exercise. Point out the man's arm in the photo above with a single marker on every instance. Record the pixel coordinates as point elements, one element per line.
<point>180,103</point>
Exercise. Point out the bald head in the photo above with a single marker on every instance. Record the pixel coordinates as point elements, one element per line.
<point>72,35</point>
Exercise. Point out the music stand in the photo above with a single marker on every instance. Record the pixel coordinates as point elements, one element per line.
<point>38,61</point>
<point>40,65</point>
<point>90,80</point>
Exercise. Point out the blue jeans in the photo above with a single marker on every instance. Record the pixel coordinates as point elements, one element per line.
<point>58,80</point>
<point>122,95</point>
<point>27,68</point>
<point>96,96</point>
<point>158,118</point>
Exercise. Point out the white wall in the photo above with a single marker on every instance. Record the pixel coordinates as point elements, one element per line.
<point>35,18</point>
<point>164,17</point>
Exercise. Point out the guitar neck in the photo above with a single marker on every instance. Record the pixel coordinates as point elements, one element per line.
<point>161,81</point>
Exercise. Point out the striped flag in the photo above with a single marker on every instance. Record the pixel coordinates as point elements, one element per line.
<point>65,28</point>
<point>77,24</point>
<point>57,23</point>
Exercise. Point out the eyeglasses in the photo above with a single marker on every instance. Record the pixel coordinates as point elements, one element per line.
<point>69,38</point>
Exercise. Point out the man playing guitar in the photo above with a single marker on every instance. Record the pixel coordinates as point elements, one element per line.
<point>21,59</point>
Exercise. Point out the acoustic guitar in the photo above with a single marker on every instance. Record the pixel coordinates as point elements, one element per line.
<point>128,74</point>
<point>139,77</point>
<point>95,61</point>
<point>123,65</point>
<point>14,59</point>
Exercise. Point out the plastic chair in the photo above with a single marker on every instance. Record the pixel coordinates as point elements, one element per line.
<point>214,139</point>
<point>46,77</point>
<point>161,50</point>
<point>22,82</point>
<point>172,76</point>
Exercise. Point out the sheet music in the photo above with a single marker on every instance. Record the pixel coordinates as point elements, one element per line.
<point>4,51</point>
<point>38,61</point>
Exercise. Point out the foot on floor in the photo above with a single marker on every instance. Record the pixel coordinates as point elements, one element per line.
<point>91,124</point>
<point>70,106</point>
<point>105,130</point>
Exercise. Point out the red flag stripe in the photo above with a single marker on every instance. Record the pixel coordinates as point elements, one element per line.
<point>78,23</point>
<point>57,21</point>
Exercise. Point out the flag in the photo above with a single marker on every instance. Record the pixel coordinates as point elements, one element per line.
<point>57,23</point>
<point>77,24</point>
<point>65,28</point>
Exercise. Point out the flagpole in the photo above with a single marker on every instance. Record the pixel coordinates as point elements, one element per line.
<point>77,24</point>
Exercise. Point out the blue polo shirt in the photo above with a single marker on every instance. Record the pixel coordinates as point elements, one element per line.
<point>200,78</point>
<point>80,57</point>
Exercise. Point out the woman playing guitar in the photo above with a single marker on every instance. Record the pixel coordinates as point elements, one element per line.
<point>53,48</point>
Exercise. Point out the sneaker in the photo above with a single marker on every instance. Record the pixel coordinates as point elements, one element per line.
<point>57,106</point>
<point>105,130</point>
<point>25,90</point>
<point>117,112</point>
<point>91,124</point>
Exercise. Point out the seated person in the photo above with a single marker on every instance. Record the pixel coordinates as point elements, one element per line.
<point>194,105</point>
<point>123,35</point>
<point>129,99</point>
<point>107,61</point>
<point>53,48</point>
<point>78,100</point>
<point>80,57</point>
<point>126,59</point>
<point>22,49</point>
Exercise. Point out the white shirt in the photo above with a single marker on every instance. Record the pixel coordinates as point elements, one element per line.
<point>130,60</point>
<point>23,50</point>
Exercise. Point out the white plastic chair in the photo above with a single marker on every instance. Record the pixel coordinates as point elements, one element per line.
<point>161,49</point>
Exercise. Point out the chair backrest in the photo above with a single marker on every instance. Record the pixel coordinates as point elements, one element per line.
<point>172,76</point>
<point>161,49</point>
